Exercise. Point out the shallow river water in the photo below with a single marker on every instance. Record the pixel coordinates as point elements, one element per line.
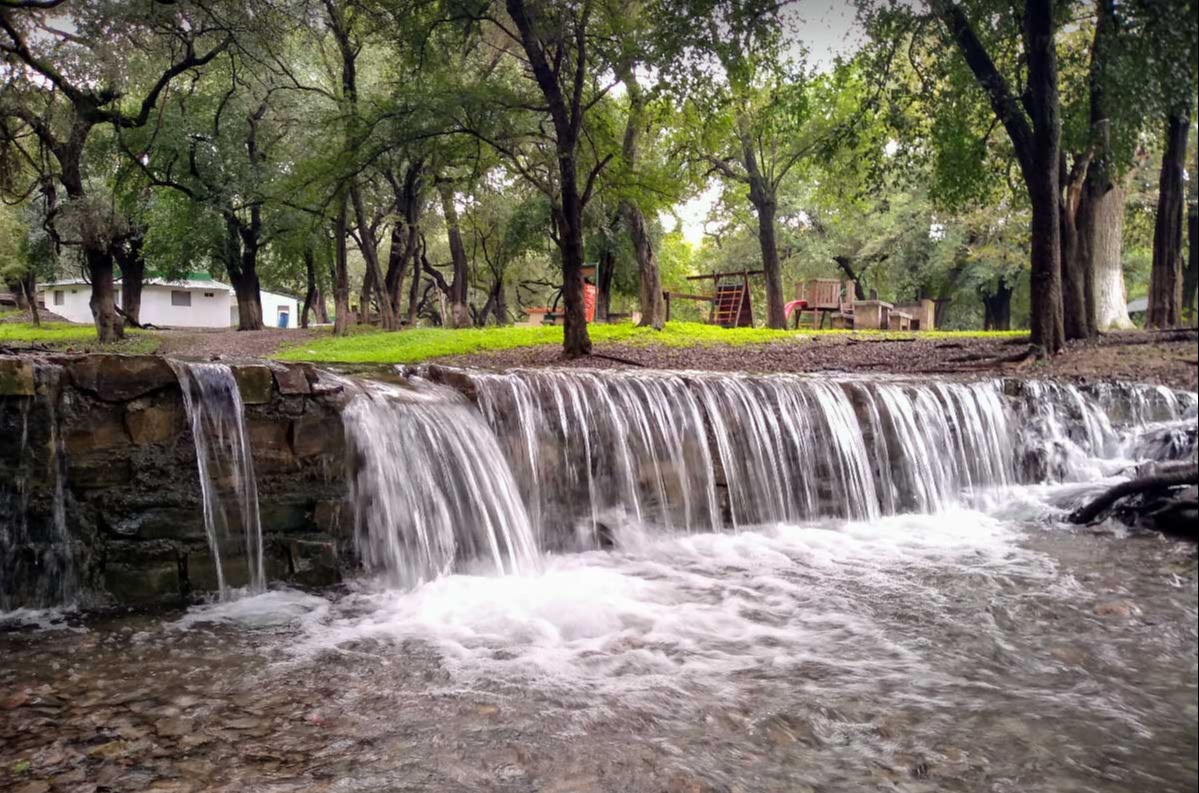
<point>972,650</point>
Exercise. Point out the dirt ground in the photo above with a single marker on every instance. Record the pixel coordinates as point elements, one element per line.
<point>1165,358</point>
<point>225,343</point>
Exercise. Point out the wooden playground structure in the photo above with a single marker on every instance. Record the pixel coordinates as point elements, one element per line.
<point>835,301</point>
<point>732,302</point>
<point>830,302</point>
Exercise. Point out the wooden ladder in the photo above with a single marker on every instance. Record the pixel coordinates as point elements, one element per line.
<point>726,309</point>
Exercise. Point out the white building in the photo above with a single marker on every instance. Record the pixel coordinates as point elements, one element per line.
<point>195,302</point>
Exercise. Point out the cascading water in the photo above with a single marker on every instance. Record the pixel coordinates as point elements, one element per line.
<point>694,452</point>
<point>595,452</point>
<point>430,488</point>
<point>229,491</point>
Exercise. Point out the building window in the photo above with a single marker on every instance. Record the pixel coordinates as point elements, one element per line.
<point>209,294</point>
<point>181,297</point>
<point>59,297</point>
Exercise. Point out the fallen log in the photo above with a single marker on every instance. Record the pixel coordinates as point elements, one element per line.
<point>1145,484</point>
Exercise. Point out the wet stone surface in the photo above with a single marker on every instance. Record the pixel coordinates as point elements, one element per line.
<point>807,660</point>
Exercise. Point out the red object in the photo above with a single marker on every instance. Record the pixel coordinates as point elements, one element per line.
<point>794,304</point>
<point>590,295</point>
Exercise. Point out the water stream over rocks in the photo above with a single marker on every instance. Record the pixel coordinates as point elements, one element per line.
<point>229,490</point>
<point>668,582</point>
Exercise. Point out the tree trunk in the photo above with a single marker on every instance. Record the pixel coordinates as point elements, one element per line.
<point>1076,297</point>
<point>414,297</point>
<point>312,294</point>
<point>370,252</point>
<point>459,282</point>
<point>133,276</point>
<point>26,293</point>
<point>249,299</point>
<point>100,267</point>
<point>364,299</point>
<point>568,123</point>
<point>1101,217</point>
<point>241,252</point>
<point>1190,279</point>
<point>649,286</point>
<point>763,199</point>
<point>1033,124</point>
<point>341,277</point>
<point>845,264</point>
<point>997,308</point>
<point>1103,225</point>
<point>1042,177</point>
<point>604,276</point>
<point>577,341</point>
<point>500,309</point>
<point>1046,320</point>
<point>1165,281</point>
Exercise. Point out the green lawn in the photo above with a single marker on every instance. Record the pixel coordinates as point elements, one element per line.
<point>60,335</point>
<point>412,346</point>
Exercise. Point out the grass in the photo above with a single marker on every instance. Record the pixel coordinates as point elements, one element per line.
<point>413,346</point>
<point>61,336</point>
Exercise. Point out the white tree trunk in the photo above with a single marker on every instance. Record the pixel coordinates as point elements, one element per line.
<point>1111,299</point>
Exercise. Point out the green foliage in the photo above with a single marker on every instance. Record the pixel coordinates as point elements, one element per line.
<point>413,346</point>
<point>61,335</point>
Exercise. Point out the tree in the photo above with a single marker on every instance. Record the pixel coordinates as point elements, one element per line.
<point>562,65</point>
<point>62,91</point>
<point>1032,121</point>
<point>1175,49</point>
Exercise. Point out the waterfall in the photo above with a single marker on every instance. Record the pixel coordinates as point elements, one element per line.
<point>599,453</point>
<point>431,490</point>
<point>229,492</point>
<point>595,454</point>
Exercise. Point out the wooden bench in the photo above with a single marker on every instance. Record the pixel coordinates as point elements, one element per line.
<point>831,298</point>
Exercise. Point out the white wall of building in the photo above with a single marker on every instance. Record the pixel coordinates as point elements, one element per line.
<point>212,306</point>
<point>273,305</point>
<point>209,307</point>
<point>76,301</point>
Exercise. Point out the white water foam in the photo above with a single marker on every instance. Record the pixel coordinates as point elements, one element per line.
<point>693,611</point>
<point>275,609</point>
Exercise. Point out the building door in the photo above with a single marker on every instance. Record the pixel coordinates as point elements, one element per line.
<point>284,316</point>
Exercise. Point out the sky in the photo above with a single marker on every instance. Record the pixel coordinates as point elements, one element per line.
<point>827,28</point>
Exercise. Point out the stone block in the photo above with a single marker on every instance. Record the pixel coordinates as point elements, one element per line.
<point>202,575</point>
<point>312,436</point>
<point>161,523</point>
<point>119,378</point>
<point>141,574</point>
<point>201,568</point>
<point>98,470</point>
<point>16,378</point>
<point>269,444</point>
<point>292,379</point>
<point>334,518</point>
<point>283,517</point>
<point>104,431</point>
<point>871,315</point>
<point>155,423</point>
<point>314,562</point>
<point>255,382</point>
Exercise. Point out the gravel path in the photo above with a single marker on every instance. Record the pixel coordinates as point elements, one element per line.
<point>229,343</point>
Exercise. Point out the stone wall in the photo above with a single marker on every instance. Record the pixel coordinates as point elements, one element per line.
<point>100,446</point>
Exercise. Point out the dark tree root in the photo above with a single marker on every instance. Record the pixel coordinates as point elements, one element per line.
<point>1088,513</point>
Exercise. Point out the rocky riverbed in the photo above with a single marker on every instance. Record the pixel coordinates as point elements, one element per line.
<point>979,650</point>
